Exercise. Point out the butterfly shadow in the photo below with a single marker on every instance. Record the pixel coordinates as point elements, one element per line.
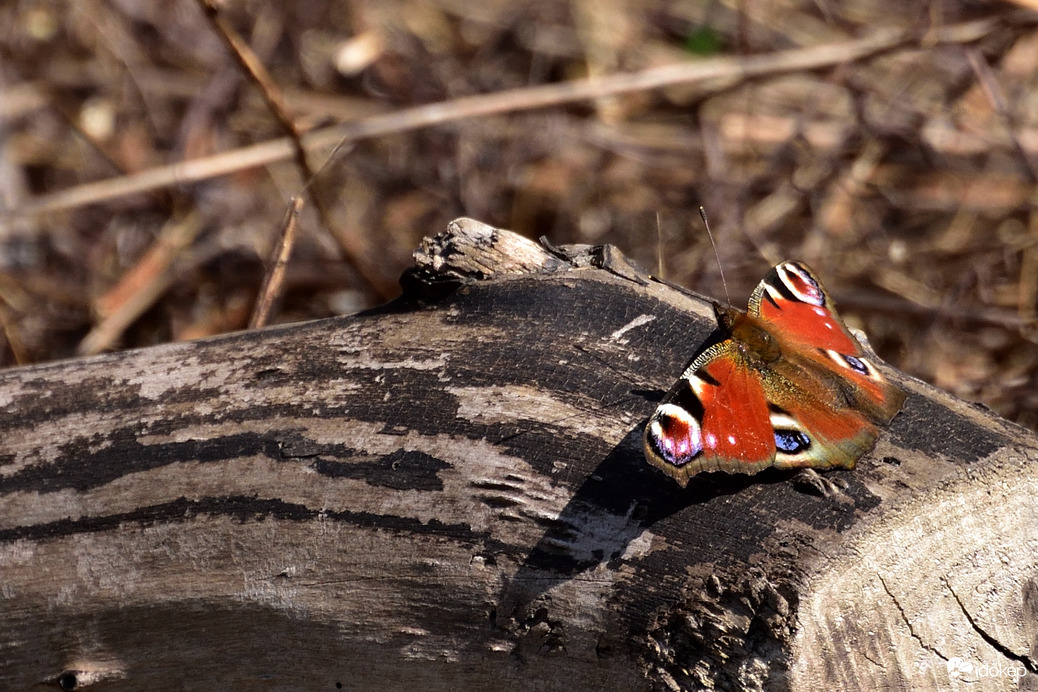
<point>614,505</point>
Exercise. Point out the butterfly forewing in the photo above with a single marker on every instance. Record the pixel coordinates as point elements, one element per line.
<point>715,418</point>
<point>795,308</point>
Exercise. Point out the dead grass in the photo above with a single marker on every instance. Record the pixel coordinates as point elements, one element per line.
<point>144,172</point>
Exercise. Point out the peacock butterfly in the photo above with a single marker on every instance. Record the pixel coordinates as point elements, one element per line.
<point>788,386</point>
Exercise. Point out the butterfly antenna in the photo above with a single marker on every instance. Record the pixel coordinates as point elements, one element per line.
<point>720,270</point>
<point>659,247</point>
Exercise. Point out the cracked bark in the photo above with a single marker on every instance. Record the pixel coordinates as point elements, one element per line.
<point>448,493</point>
<point>993,642</point>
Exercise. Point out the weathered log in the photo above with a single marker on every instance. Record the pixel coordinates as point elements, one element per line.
<point>449,493</point>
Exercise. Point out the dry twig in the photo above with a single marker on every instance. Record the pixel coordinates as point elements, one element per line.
<point>141,286</point>
<point>351,247</point>
<point>720,72</point>
<point>274,279</point>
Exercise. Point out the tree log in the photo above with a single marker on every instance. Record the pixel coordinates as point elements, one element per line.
<point>448,492</point>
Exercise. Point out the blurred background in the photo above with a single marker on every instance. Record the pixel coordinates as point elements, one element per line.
<point>906,179</point>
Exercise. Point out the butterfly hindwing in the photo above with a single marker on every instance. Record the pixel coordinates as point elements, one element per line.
<point>789,387</point>
<point>812,432</point>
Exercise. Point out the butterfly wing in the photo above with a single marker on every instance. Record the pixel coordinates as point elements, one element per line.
<point>793,307</point>
<point>715,418</point>
<point>724,414</point>
<point>790,387</point>
<point>811,426</point>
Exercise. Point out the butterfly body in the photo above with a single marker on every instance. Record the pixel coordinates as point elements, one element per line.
<point>788,386</point>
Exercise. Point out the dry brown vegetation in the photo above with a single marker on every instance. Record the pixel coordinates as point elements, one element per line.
<point>901,165</point>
